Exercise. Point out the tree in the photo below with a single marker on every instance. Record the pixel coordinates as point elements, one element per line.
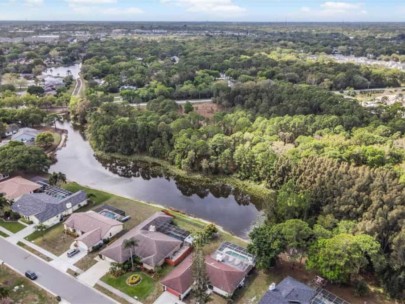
<point>57,178</point>
<point>200,277</point>
<point>131,244</point>
<point>266,245</point>
<point>36,90</point>
<point>44,140</point>
<point>341,257</point>
<point>188,107</point>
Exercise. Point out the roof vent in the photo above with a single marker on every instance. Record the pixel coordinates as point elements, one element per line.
<point>68,205</point>
<point>152,228</point>
<point>272,286</point>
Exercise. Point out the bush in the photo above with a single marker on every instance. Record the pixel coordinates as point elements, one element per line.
<point>134,279</point>
<point>361,288</point>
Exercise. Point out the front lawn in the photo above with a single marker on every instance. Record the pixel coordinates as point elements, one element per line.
<point>140,291</point>
<point>13,227</point>
<point>53,239</point>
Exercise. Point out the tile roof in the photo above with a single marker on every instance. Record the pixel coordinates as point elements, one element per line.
<point>152,247</point>
<point>91,238</point>
<point>181,278</point>
<point>17,186</point>
<point>223,276</point>
<point>44,206</point>
<point>288,291</point>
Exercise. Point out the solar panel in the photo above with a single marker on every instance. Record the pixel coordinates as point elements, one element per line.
<point>173,231</point>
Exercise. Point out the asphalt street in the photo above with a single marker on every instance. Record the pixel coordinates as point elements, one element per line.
<point>69,288</point>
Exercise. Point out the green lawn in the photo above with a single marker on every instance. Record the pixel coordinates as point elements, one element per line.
<point>96,196</point>
<point>3,234</point>
<point>12,226</point>
<point>141,291</point>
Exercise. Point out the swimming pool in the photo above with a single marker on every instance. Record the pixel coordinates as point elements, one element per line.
<point>110,214</point>
<point>237,255</point>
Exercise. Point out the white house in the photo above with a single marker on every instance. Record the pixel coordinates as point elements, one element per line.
<point>47,209</point>
<point>92,228</point>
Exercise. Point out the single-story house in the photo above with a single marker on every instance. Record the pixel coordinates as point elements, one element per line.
<point>14,188</point>
<point>92,228</point>
<point>3,176</point>
<point>153,247</point>
<point>290,290</point>
<point>180,280</point>
<point>26,135</point>
<point>11,129</point>
<point>48,208</point>
<point>227,270</point>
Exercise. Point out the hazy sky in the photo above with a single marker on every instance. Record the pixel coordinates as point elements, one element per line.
<point>204,10</point>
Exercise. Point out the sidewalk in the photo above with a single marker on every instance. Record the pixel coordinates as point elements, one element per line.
<point>118,293</point>
<point>94,273</point>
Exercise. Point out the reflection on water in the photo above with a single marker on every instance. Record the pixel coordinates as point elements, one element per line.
<point>221,204</point>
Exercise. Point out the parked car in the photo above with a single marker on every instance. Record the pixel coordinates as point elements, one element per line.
<point>72,252</point>
<point>31,275</point>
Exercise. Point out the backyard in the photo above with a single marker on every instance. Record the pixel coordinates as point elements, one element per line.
<point>29,293</point>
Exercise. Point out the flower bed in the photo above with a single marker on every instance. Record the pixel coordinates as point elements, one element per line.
<point>134,279</point>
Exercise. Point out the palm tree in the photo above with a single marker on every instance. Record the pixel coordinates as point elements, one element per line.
<point>131,244</point>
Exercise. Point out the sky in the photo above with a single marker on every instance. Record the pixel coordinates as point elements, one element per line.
<point>205,10</point>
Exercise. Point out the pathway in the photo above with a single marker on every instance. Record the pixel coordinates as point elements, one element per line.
<point>95,273</point>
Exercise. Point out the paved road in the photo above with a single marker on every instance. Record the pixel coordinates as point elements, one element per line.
<point>180,102</point>
<point>49,277</point>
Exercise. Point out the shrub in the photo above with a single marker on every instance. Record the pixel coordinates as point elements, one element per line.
<point>134,279</point>
<point>361,288</point>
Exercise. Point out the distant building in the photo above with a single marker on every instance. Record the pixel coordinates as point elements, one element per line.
<point>11,130</point>
<point>16,187</point>
<point>26,135</point>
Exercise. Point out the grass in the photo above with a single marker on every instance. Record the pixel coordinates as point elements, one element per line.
<point>53,239</point>
<point>88,261</point>
<point>140,291</point>
<point>3,234</point>
<point>96,196</point>
<point>110,294</point>
<point>35,252</point>
<point>30,293</point>
<point>13,227</point>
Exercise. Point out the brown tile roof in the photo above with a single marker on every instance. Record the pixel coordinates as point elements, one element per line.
<point>152,248</point>
<point>89,221</point>
<point>224,276</point>
<point>181,278</point>
<point>17,186</point>
<point>91,238</point>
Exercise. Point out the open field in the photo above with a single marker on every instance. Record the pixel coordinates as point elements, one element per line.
<point>29,293</point>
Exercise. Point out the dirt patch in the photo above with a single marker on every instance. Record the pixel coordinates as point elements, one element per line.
<point>206,110</point>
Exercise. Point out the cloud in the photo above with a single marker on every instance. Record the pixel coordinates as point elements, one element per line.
<point>127,11</point>
<point>333,9</point>
<point>208,6</point>
<point>34,2</point>
<point>91,2</point>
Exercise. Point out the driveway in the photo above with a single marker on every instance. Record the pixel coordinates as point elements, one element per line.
<point>49,277</point>
<point>95,273</point>
<point>63,262</point>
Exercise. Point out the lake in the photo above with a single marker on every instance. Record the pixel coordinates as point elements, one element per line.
<point>221,204</point>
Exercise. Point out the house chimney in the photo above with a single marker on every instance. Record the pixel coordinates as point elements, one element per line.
<point>152,228</point>
<point>272,286</point>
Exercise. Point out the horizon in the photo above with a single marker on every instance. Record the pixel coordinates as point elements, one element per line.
<point>243,11</point>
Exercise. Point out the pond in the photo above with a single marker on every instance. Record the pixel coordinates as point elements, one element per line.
<point>227,207</point>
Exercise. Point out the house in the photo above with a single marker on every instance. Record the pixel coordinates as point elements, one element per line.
<point>26,135</point>
<point>4,176</point>
<point>156,239</point>
<point>227,270</point>
<point>16,187</point>
<point>180,280</point>
<point>290,290</point>
<point>49,207</point>
<point>11,130</point>
<point>92,228</point>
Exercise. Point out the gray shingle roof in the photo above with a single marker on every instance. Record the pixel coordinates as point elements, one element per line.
<point>44,206</point>
<point>288,291</point>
